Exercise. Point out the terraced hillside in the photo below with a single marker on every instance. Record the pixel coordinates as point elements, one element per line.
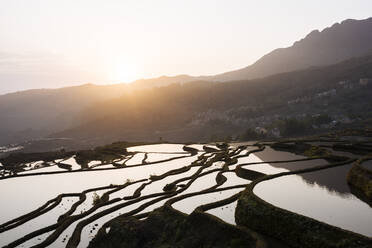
<point>312,192</point>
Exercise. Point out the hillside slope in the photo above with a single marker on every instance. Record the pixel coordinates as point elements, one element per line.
<point>34,113</point>
<point>350,38</point>
<point>197,110</point>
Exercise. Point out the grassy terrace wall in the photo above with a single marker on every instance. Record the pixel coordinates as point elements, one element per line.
<point>294,229</point>
<point>167,227</point>
<point>361,178</point>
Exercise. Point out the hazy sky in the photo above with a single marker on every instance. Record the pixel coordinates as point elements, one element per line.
<point>54,43</point>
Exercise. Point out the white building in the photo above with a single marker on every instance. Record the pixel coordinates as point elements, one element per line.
<point>363,81</point>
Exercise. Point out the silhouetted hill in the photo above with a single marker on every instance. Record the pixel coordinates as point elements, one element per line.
<point>34,113</point>
<point>350,38</point>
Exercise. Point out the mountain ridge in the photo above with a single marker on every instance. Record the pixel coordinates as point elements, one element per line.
<point>43,111</point>
<point>339,29</point>
<point>350,38</point>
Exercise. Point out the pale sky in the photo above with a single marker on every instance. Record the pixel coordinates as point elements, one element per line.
<point>55,43</point>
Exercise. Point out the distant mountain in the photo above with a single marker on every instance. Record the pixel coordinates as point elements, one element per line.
<point>342,41</point>
<point>350,38</point>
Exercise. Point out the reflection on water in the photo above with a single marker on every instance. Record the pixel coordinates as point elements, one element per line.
<point>18,190</point>
<point>269,154</point>
<point>323,195</point>
<point>316,194</point>
<point>33,225</point>
<point>136,159</point>
<point>172,148</point>
<point>188,205</point>
<point>312,200</point>
<point>265,168</point>
<point>333,180</point>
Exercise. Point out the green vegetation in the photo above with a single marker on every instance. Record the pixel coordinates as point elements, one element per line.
<point>96,199</point>
<point>316,151</point>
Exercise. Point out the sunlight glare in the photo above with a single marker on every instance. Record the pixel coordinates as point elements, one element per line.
<point>123,72</point>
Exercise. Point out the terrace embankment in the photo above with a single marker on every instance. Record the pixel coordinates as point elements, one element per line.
<point>360,178</point>
<point>167,227</point>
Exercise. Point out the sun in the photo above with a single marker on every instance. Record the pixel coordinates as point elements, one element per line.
<point>123,72</point>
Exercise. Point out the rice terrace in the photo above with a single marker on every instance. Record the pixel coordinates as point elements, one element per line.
<point>196,195</point>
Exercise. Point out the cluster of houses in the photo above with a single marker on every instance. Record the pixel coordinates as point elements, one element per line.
<point>274,132</point>
<point>265,124</point>
<point>210,115</point>
<point>332,92</point>
<point>349,85</point>
<point>364,81</point>
<point>328,93</point>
